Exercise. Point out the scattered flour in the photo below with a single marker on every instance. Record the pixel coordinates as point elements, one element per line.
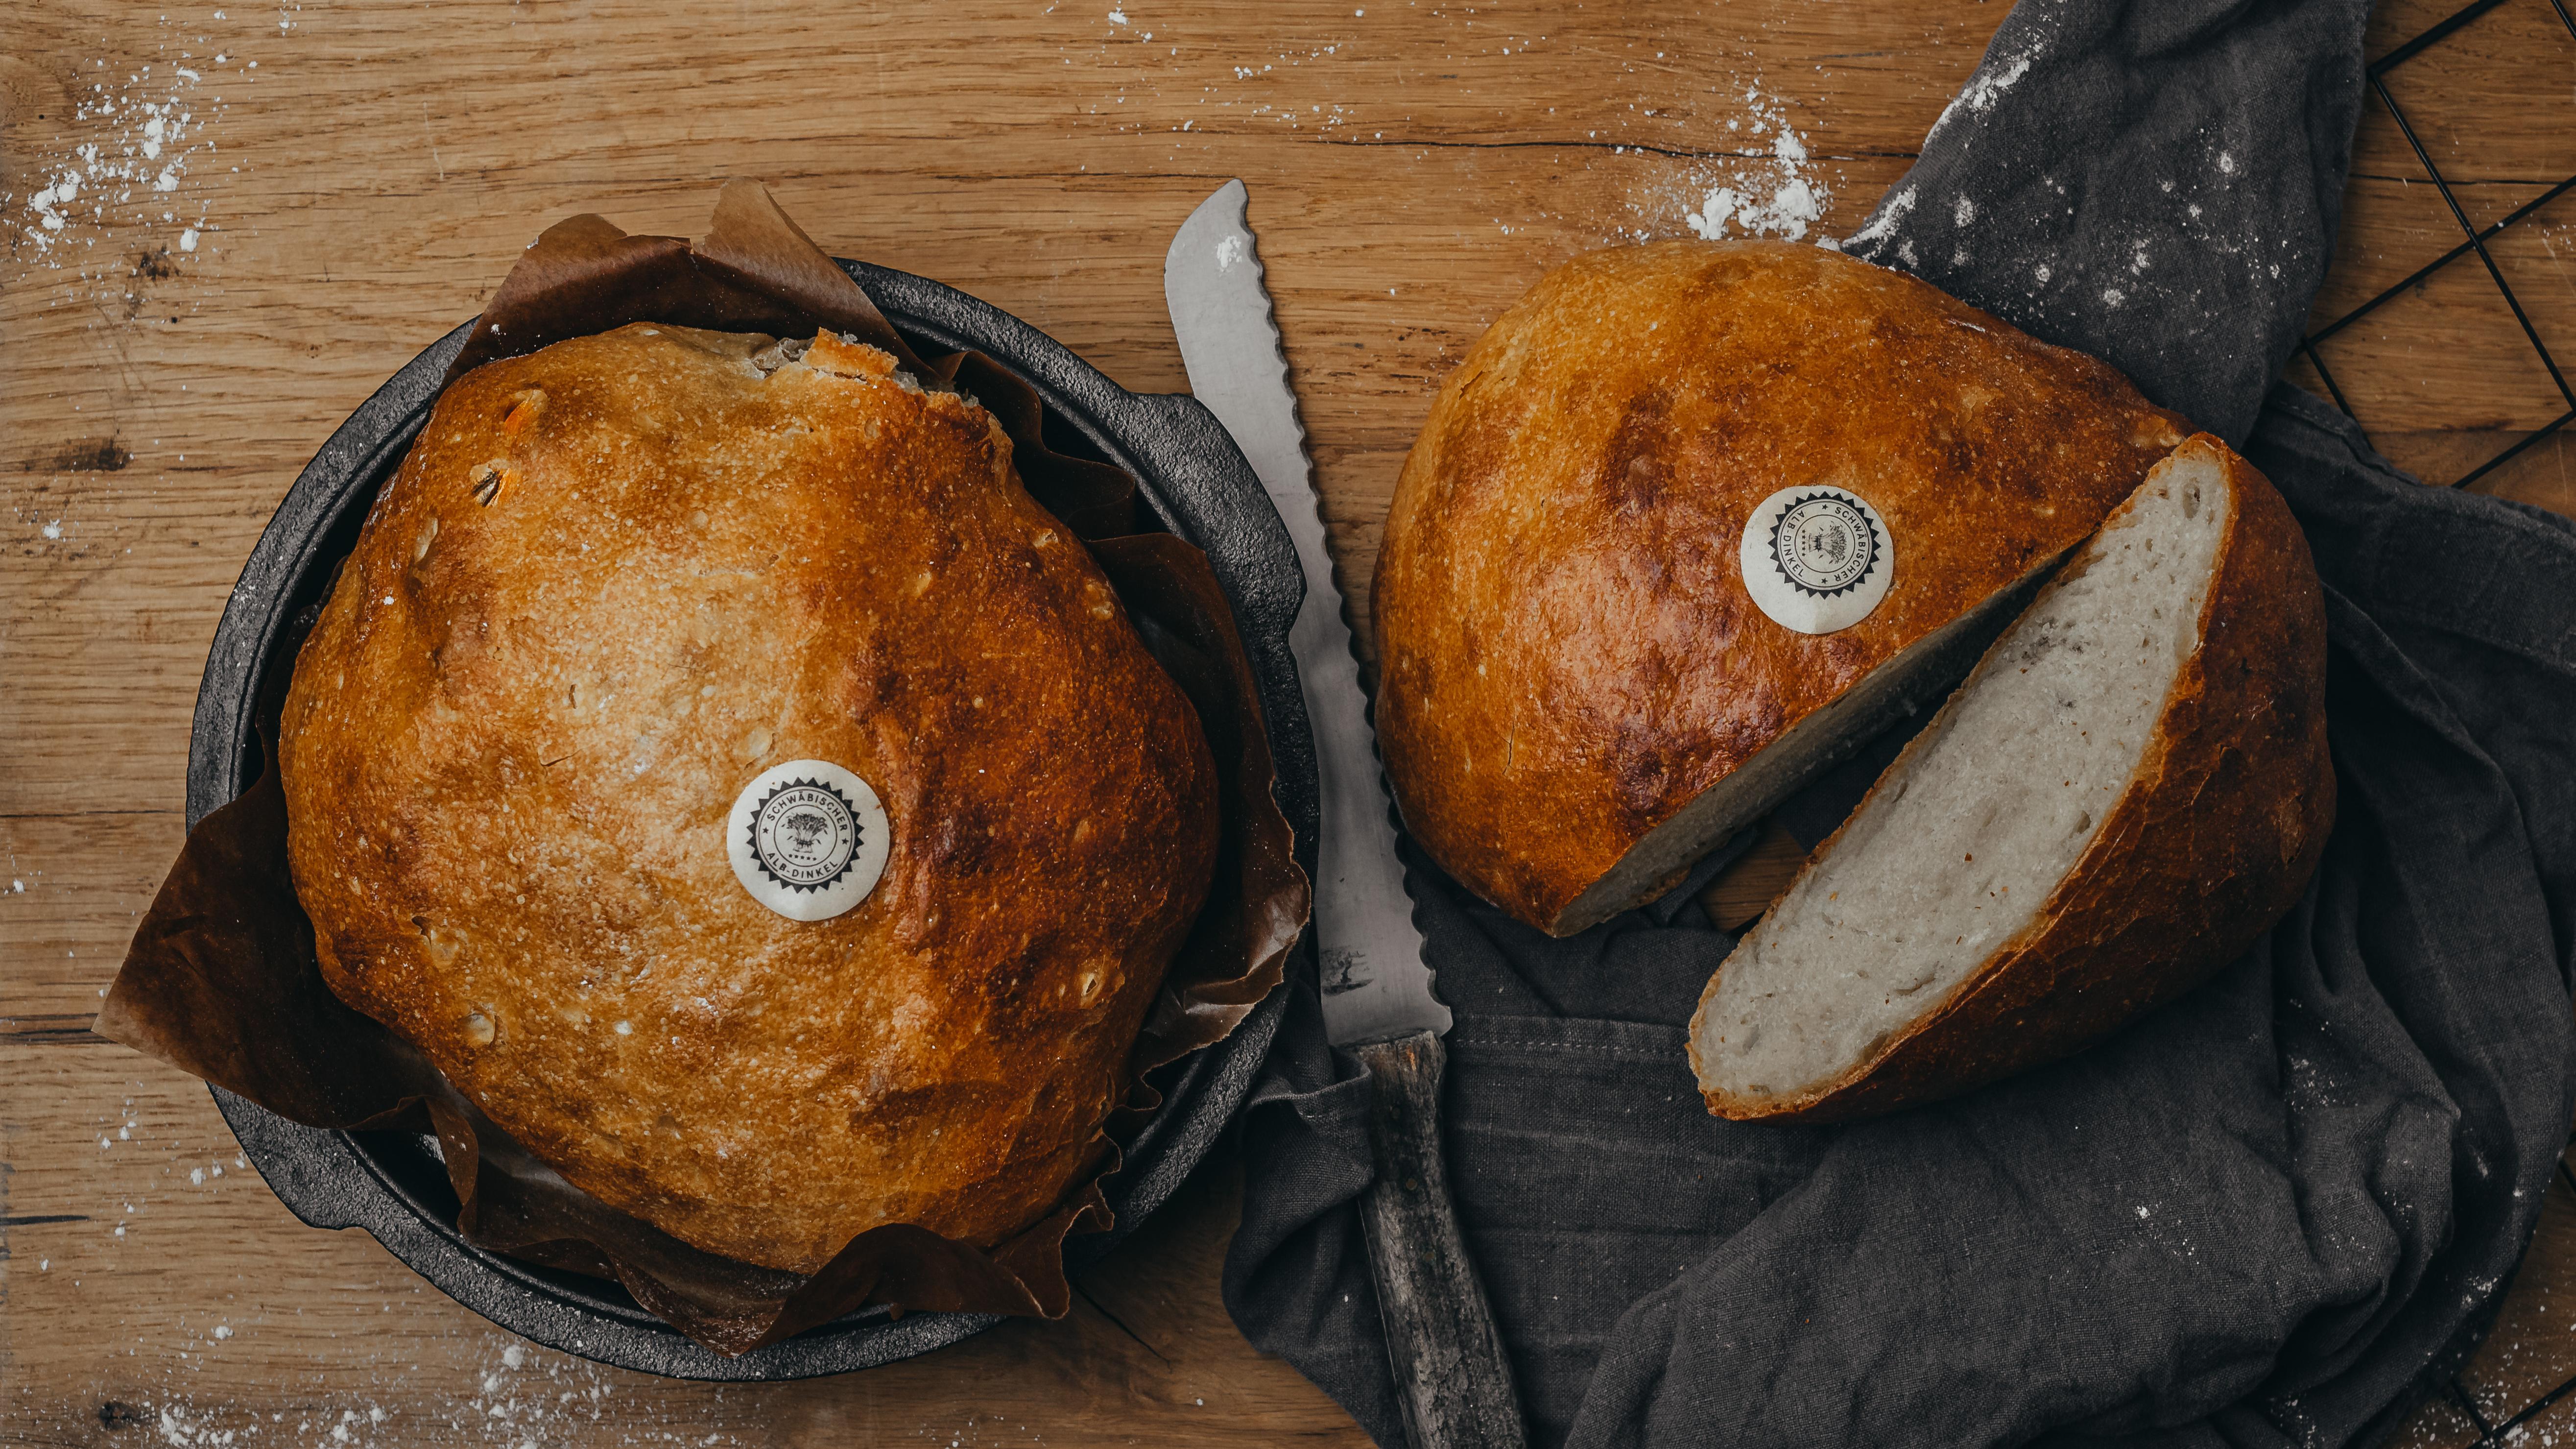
<point>176,1428</point>
<point>1984,89</point>
<point>1780,197</point>
<point>519,1398</point>
<point>113,188</point>
<point>1883,222</point>
<point>137,132</point>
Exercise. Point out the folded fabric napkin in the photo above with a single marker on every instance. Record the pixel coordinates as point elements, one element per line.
<point>2271,1213</point>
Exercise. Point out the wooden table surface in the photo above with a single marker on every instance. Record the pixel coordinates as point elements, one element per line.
<point>309,194</point>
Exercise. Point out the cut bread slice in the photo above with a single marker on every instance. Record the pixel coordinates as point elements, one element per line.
<point>2130,787</point>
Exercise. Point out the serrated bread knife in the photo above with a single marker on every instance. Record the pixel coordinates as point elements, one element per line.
<point>1450,1371</point>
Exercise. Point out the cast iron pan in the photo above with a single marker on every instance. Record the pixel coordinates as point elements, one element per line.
<point>1195,483</point>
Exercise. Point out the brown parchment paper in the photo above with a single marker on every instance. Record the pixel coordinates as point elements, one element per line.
<point>222,981</point>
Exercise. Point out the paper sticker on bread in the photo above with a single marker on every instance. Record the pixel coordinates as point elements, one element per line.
<point>2131,786</point>
<point>1591,674</point>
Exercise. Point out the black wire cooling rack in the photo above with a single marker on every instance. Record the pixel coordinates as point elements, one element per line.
<point>2492,1417</point>
<point>2476,242</point>
<point>2515,1426</point>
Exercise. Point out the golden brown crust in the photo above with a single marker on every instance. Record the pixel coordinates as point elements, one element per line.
<point>2213,841</point>
<point>519,727</point>
<point>1568,654</point>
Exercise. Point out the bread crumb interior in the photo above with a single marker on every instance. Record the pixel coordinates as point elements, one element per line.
<point>1970,831</point>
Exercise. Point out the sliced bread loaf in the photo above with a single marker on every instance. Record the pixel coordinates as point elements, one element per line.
<point>1691,522</point>
<point>2131,786</point>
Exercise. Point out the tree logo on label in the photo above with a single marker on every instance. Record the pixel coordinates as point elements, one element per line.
<point>1816,558</point>
<point>805,834</point>
<point>808,839</point>
<point>1824,546</point>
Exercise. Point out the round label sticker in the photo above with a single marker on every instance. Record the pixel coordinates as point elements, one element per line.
<point>1816,559</point>
<point>808,839</point>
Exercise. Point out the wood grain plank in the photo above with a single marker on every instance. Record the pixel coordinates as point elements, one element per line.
<point>2446,354</point>
<point>2481,104</point>
<point>362,189</point>
<point>1747,888</point>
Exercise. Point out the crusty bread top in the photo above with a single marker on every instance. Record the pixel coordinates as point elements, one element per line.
<point>1568,652</point>
<point>614,581</point>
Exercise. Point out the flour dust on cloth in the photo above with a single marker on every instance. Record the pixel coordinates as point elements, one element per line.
<point>2267,1214</point>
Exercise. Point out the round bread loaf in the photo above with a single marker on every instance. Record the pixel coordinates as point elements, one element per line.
<point>616,585</point>
<point>1581,692</point>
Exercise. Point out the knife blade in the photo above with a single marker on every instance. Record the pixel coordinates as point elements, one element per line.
<point>1374,982</point>
<point>1453,1379</point>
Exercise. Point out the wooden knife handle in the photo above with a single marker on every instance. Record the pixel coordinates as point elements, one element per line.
<point>1450,1371</point>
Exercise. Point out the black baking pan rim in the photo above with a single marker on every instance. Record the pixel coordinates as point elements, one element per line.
<point>1196,484</point>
